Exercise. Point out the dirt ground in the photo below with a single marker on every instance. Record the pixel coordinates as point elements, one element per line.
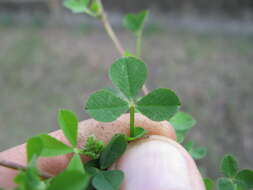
<point>46,68</point>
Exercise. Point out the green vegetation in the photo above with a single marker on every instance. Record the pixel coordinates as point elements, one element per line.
<point>128,74</point>
<point>234,179</point>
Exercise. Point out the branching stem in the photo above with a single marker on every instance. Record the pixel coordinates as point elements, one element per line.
<point>15,166</point>
<point>111,33</point>
<point>116,41</point>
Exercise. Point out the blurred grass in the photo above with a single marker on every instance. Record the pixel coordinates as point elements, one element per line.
<point>44,68</point>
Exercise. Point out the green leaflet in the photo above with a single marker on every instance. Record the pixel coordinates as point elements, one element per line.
<point>90,7</point>
<point>104,106</point>
<point>196,152</point>
<point>245,178</point>
<point>128,74</point>
<point>73,177</point>
<point>225,184</point>
<point>34,147</point>
<point>135,22</point>
<point>69,180</point>
<point>209,184</point>
<point>180,136</point>
<point>108,180</point>
<point>68,123</point>
<point>111,153</point>
<point>77,6</point>
<point>53,147</point>
<point>182,121</point>
<point>159,104</point>
<point>229,166</point>
<point>76,164</point>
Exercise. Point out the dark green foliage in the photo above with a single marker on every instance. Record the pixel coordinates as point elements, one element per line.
<point>108,180</point>
<point>104,106</point>
<point>234,178</point>
<point>158,105</point>
<point>113,151</point>
<point>245,179</point>
<point>225,184</point>
<point>229,166</point>
<point>209,184</point>
<point>128,74</point>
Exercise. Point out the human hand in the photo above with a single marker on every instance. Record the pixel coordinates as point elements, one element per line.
<point>153,163</point>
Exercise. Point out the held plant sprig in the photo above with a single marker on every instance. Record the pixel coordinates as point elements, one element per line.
<point>88,176</point>
<point>128,74</point>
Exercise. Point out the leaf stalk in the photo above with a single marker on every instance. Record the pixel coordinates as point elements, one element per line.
<point>132,112</point>
<point>138,43</point>
<point>110,31</point>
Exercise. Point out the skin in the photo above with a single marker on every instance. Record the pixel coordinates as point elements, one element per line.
<point>158,163</point>
<point>103,131</point>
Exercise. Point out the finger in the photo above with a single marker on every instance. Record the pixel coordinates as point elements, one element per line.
<point>103,131</point>
<point>158,163</point>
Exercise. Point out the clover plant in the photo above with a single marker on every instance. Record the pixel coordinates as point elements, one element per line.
<point>234,178</point>
<point>128,75</point>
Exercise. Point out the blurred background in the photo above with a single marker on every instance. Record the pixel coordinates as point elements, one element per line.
<point>51,59</point>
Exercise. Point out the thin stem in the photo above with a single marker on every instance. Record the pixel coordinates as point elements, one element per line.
<point>132,110</point>
<point>15,166</point>
<point>111,33</point>
<point>114,38</point>
<point>138,43</point>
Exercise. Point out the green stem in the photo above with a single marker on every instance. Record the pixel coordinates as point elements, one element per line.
<point>132,110</point>
<point>138,43</point>
<point>15,166</point>
<point>110,32</point>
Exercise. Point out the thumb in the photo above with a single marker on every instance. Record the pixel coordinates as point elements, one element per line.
<point>158,163</point>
